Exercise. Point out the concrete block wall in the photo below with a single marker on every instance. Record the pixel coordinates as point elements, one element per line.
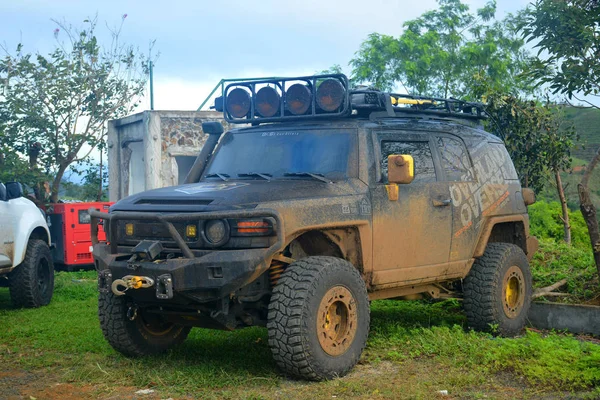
<point>154,149</point>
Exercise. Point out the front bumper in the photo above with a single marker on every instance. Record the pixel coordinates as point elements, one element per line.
<point>199,275</point>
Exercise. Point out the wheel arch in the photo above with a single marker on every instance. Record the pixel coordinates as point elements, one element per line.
<point>512,229</point>
<point>35,232</point>
<point>342,243</point>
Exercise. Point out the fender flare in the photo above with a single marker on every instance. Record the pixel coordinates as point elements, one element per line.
<point>489,226</point>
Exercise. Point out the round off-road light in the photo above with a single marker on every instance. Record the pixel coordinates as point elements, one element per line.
<point>215,231</point>
<point>267,102</point>
<point>238,103</point>
<point>297,99</point>
<point>330,94</point>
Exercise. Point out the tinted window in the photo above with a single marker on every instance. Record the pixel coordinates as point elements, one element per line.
<point>421,153</point>
<point>455,159</point>
<point>325,152</point>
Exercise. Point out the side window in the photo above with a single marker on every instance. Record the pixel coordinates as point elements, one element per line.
<point>424,168</point>
<point>455,159</point>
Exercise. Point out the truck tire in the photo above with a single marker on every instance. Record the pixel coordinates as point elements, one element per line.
<point>497,291</point>
<point>319,317</point>
<point>141,335</point>
<point>31,283</point>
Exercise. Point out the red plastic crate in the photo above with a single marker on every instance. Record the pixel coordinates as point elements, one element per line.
<point>70,231</point>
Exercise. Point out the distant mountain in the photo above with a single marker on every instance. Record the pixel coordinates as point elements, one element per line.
<point>587,124</point>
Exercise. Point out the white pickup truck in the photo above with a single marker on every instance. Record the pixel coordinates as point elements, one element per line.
<point>26,265</point>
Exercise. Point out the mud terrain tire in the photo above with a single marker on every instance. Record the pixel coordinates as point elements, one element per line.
<point>31,283</point>
<point>139,337</point>
<point>319,318</point>
<point>497,291</point>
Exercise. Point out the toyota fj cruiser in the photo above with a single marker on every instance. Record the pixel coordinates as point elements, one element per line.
<point>25,262</point>
<point>331,198</point>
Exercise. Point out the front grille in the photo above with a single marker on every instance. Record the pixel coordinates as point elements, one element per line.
<point>152,231</point>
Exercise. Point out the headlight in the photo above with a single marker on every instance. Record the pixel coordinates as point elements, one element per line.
<point>216,231</point>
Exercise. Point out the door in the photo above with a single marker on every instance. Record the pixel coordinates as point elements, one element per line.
<point>466,193</point>
<point>412,235</point>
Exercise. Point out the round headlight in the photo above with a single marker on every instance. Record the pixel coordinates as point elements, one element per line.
<point>238,103</point>
<point>330,95</point>
<point>297,99</point>
<point>215,231</point>
<point>267,102</point>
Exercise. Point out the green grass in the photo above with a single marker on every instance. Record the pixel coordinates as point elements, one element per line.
<point>556,261</point>
<point>414,348</point>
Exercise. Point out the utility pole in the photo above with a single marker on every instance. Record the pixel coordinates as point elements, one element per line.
<point>151,85</point>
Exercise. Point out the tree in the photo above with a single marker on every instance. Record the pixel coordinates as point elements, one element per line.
<point>440,53</point>
<point>539,141</point>
<point>567,34</point>
<point>63,100</point>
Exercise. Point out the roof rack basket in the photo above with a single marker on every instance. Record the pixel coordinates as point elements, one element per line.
<point>369,101</point>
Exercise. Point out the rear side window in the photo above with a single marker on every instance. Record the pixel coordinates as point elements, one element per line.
<point>455,160</point>
<point>421,153</point>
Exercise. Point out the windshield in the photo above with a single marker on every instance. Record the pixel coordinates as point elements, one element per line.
<point>284,154</point>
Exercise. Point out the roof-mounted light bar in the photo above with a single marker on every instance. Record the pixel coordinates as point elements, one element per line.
<point>280,99</point>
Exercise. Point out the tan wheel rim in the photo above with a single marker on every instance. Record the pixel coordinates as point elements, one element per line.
<point>154,328</point>
<point>513,292</point>
<point>337,321</point>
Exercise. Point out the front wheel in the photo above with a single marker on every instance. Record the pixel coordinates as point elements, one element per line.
<point>134,332</point>
<point>498,289</point>
<point>31,283</point>
<point>318,318</point>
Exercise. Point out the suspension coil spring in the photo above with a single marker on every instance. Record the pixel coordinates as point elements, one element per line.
<point>275,271</point>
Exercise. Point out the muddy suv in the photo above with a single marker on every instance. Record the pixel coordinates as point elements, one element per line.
<point>26,265</point>
<point>327,199</point>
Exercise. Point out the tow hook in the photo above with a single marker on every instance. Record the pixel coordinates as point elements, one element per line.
<point>120,286</point>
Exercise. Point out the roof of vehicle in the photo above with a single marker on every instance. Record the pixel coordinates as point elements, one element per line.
<point>457,128</point>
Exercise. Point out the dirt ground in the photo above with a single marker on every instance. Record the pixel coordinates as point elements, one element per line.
<point>388,380</point>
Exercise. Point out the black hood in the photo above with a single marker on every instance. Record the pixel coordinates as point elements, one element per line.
<point>243,194</point>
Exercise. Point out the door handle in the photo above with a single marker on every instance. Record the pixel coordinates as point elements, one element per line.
<point>441,203</point>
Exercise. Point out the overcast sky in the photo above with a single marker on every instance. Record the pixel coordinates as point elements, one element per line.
<point>201,42</point>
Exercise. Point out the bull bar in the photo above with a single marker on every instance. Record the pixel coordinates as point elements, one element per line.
<point>168,219</point>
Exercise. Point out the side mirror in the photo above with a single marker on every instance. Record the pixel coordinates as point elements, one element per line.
<point>401,168</point>
<point>14,190</point>
<point>2,192</point>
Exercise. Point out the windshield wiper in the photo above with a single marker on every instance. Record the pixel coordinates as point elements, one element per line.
<point>258,174</point>
<point>318,177</point>
<point>225,177</point>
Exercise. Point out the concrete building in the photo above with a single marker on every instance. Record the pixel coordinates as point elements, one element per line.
<point>154,149</point>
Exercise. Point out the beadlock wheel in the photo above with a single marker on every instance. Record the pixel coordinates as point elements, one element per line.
<point>337,321</point>
<point>513,292</point>
<point>497,291</point>
<point>318,318</point>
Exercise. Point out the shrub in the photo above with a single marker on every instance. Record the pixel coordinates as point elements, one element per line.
<point>546,223</point>
<point>557,260</point>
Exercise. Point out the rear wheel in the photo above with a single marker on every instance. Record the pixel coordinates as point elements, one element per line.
<point>32,282</point>
<point>134,332</point>
<point>497,291</point>
<point>318,318</point>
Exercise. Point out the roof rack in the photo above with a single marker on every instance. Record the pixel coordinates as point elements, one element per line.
<point>256,101</point>
<point>395,104</point>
